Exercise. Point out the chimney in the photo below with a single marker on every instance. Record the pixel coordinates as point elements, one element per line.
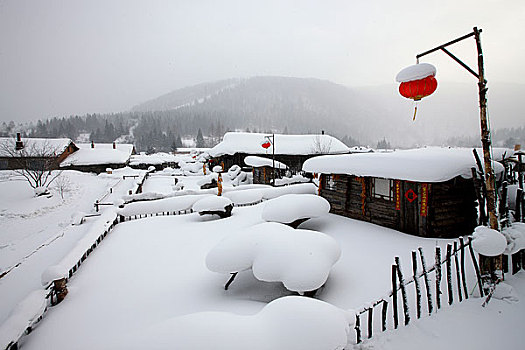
<point>92,144</point>
<point>114,145</point>
<point>517,147</point>
<point>322,132</point>
<point>19,144</point>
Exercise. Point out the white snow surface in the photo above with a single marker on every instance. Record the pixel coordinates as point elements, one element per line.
<point>243,197</point>
<point>257,162</point>
<point>154,159</point>
<point>292,323</point>
<point>488,242</point>
<point>300,259</point>
<point>290,207</point>
<point>295,179</point>
<point>211,203</point>
<point>53,273</point>
<point>250,143</point>
<point>102,153</point>
<point>431,164</point>
<point>416,72</point>
<point>515,236</point>
<point>170,204</point>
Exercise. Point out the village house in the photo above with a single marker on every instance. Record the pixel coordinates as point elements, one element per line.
<point>427,192</point>
<point>97,157</point>
<point>291,150</point>
<point>262,169</point>
<point>18,153</point>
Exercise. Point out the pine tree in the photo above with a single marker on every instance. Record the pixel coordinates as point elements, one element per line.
<point>200,140</point>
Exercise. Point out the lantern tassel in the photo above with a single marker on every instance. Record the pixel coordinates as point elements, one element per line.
<point>415,110</point>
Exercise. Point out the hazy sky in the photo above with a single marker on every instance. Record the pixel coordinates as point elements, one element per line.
<point>73,57</point>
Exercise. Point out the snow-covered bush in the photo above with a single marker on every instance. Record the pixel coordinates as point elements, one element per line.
<point>295,208</point>
<point>488,242</point>
<point>300,259</point>
<point>218,205</point>
<point>291,323</point>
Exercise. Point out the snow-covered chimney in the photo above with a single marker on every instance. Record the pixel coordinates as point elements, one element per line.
<point>517,147</point>
<point>92,144</point>
<point>322,132</point>
<point>19,144</point>
<point>114,145</point>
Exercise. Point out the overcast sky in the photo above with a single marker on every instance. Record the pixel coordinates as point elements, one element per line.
<point>73,57</point>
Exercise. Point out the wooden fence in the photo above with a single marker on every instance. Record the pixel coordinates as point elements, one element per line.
<point>427,295</point>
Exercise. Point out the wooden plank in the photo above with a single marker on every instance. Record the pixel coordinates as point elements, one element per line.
<point>416,284</point>
<point>438,277</point>
<point>383,315</point>
<point>426,279</point>
<point>448,259</point>
<point>394,296</point>
<point>458,277</point>
<point>406,312</point>
<point>476,266</point>
<point>463,276</point>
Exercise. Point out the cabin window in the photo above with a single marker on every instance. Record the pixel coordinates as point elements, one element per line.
<point>382,188</point>
<point>329,181</point>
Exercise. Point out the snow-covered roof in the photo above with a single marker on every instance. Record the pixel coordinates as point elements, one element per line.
<point>432,164</point>
<point>33,147</point>
<point>102,153</point>
<point>257,162</point>
<point>155,158</point>
<point>250,143</point>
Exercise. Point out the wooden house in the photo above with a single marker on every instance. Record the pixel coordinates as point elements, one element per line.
<point>262,169</point>
<point>425,192</point>
<point>97,157</point>
<point>292,150</point>
<point>18,153</point>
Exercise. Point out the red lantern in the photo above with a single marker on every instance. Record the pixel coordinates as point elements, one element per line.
<point>266,144</point>
<point>417,89</point>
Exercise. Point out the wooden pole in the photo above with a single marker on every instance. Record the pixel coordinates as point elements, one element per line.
<point>476,267</point>
<point>458,276</point>
<point>448,259</point>
<point>438,277</point>
<point>394,296</point>
<point>406,313</point>
<point>370,322</point>
<point>463,277</point>
<point>358,328</point>
<point>416,284</point>
<point>383,315</point>
<point>427,282</point>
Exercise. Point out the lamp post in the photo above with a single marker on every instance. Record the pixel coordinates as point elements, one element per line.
<point>272,141</point>
<point>490,266</point>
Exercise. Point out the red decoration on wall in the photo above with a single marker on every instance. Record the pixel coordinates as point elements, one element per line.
<point>424,200</point>
<point>410,195</point>
<point>417,89</point>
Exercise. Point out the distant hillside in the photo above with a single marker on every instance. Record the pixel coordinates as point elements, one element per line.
<point>367,114</point>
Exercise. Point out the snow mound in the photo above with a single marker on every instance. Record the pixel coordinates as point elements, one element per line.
<point>53,273</point>
<point>291,180</point>
<point>257,162</point>
<point>234,171</point>
<point>242,179</point>
<point>24,315</point>
<point>291,207</point>
<point>300,259</point>
<point>212,203</point>
<point>78,218</point>
<point>159,206</point>
<point>488,242</point>
<point>217,169</point>
<point>208,179</point>
<point>274,192</point>
<point>515,236</point>
<point>505,292</point>
<point>415,72</point>
<point>243,197</point>
<point>291,323</point>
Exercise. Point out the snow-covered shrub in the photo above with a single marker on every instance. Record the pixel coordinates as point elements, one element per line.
<point>488,242</point>
<point>218,205</point>
<point>291,323</point>
<point>295,208</point>
<point>300,259</point>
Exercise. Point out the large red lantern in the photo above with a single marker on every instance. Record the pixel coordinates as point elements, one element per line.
<point>417,81</point>
<point>266,144</point>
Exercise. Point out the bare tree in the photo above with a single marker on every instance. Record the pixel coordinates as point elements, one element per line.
<point>321,145</point>
<point>35,161</point>
<point>62,185</point>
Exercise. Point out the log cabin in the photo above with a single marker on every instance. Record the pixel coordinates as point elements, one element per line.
<point>426,192</point>
<point>262,169</point>
<point>291,150</point>
<point>97,157</point>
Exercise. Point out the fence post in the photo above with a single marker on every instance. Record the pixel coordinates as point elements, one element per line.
<point>370,321</point>
<point>476,267</point>
<point>449,274</point>
<point>383,315</point>
<point>438,277</point>
<point>416,284</point>
<point>427,282</point>
<point>406,312</point>
<point>458,277</point>
<point>358,328</point>
<point>463,278</point>
<point>394,296</point>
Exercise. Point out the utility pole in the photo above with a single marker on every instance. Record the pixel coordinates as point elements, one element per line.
<point>490,266</point>
<point>272,141</point>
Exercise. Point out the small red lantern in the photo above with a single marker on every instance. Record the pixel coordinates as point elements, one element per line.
<point>266,144</point>
<point>417,81</point>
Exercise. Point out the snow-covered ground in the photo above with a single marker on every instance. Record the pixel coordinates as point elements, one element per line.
<point>36,232</point>
<point>151,273</point>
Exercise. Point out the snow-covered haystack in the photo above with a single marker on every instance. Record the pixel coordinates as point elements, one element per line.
<point>293,209</point>
<point>515,236</point>
<point>218,205</point>
<point>171,204</point>
<point>243,197</point>
<point>291,323</point>
<point>274,192</point>
<point>300,259</point>
<point>488,242</point>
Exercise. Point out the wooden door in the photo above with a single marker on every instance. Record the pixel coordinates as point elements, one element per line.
<point>410,207</point>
